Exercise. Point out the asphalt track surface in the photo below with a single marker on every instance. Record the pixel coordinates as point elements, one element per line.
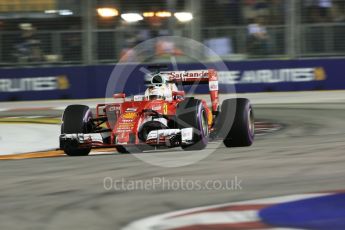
<point>68,192</point>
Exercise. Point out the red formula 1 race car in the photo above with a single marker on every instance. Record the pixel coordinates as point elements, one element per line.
<point>162,118</point>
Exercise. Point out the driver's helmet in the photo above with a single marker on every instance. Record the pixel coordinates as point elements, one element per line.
<point>155,93</point>
<point>158,89</point>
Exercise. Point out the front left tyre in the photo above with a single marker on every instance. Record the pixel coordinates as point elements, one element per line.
<point>191,113</point>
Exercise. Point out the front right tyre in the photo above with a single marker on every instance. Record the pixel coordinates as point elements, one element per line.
<point>76,119</point>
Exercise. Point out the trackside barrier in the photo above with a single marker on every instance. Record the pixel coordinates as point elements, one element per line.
<point>76,82</point>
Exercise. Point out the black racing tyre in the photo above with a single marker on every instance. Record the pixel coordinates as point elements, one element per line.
<point>191,113</point>
<point>237,127</point>
<point>76,119</point>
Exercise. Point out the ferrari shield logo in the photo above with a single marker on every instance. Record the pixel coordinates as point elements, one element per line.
<point>165,109</point>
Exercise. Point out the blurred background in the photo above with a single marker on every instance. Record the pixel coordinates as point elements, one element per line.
<point>60,32</point>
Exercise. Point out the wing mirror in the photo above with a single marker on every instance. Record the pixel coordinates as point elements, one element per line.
<point>119,96</point>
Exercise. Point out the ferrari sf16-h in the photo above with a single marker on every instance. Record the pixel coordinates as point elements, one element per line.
<point>161,118</point>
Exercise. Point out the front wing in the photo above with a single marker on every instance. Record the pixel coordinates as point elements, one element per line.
<point>161,137</point>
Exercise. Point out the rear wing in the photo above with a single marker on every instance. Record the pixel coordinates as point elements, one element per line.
<point>191,77</point>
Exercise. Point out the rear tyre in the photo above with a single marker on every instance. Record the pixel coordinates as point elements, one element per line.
<point>191,113</point>
<point>76,119</point>
<point>241,132</point>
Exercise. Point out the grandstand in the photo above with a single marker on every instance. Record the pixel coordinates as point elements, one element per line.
<point>65,32</point>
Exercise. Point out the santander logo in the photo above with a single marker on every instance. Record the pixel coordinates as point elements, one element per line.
<point>175,75</point>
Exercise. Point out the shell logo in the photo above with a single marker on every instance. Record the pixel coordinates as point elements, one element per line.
<point>130,115</point>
